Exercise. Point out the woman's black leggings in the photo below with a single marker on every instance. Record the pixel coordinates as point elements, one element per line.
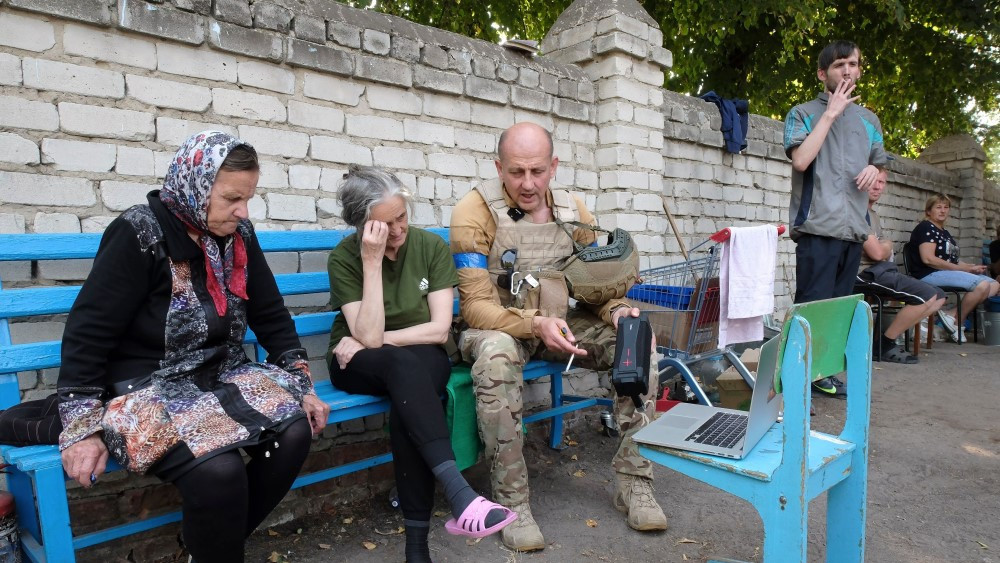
<point>414,378</point>
<point>224,500</point>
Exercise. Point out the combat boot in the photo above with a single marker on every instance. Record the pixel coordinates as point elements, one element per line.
<point>634,496</point>
<point>522,534</point>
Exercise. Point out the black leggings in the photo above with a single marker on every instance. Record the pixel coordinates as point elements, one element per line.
<point>414,378</point>
<point>224,500</point>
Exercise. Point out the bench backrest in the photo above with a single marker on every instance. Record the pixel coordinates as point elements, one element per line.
<point>40,300</point>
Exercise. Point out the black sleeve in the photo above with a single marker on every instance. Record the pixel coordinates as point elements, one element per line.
<point>118,285</point>
<point>995,251</point>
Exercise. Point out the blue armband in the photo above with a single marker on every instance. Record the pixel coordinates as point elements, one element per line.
<point>470,260</point>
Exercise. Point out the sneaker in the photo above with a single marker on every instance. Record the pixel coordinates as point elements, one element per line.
<point>948,322</point>
<point>959,337</point>
<point>831,387</point>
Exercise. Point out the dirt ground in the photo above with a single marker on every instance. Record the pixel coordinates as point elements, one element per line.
<point>933,491</point>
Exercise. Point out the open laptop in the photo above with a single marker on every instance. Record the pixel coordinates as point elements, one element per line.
<point>718,431</point>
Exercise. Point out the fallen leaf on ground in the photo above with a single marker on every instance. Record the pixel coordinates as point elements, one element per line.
<point>684,540</point>
<point>473,542</point>
<point>271,532</point>
<point>591,522</point>
<point>368,545</point>
<point>685,556</point>
<point>573,457</point>
<point>275,557</point>
<point>440,513</point>
<point>348,520</point>
<point>963,354</point>
<point>982,545</point>
<point>572,443</point>
<point>325,546</point>
<point>298,530</point>
<point>579,473</point>
<point>398,530</point>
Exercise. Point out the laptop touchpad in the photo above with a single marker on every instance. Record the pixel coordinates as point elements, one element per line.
<point>678,421</point>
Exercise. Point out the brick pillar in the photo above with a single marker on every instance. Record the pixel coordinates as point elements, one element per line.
<point>965,157</point>
<point>619,46</point>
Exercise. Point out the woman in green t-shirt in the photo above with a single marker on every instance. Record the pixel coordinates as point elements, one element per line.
<point>393,285</point>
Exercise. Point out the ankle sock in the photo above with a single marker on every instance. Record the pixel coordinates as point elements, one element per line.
<point>417,550</point>
<point>887,343</point>
<point>458,492</point>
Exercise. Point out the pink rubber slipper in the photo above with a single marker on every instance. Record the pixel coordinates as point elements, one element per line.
<point>472,523</point>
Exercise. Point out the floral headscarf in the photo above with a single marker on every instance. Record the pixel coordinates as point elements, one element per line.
<point>185,193</point>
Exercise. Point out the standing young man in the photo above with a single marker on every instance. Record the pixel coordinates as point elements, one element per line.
<point>836,151</point>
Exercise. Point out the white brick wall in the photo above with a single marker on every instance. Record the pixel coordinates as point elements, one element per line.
<point>56,223</point>
<point>452,164</point>
<point>392,99</point>
<point>195,63</point>
<point>247,105</point>
<point>393,158</point>
<point>304,177</point>
<point>135,161</point>
<point>91,43</point>
<point>119,196</point>
<point>26,114</point>
<point>75,79</point>
<point>167,93</point>
<point>315,116</point>
<point>272,175</point>
<point>282,207</point>
<point>10,70</point>
<point>111,123</point>
<point>332,89</point>
<point>374,127</point>
<point>266,76</point>
<point>339,150</point>
<point>275,141</point>
<point>22,32</point>
<point>17,150</point>
<point>173,132</point>
<point>37,189</point>
<point>78,155</point>
<point>428,133</point>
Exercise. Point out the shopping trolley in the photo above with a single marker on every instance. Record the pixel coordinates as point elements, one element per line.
<point>681,302</point>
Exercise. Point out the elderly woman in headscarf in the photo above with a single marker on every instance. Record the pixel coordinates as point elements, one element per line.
<point>153,365</point>
<point>393,286</point>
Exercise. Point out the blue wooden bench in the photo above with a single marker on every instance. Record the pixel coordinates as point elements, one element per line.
<point>35,476</point>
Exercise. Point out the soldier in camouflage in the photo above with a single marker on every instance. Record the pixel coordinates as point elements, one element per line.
<point>506,242</point>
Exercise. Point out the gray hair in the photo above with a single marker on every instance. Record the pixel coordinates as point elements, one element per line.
<point>363,188</point>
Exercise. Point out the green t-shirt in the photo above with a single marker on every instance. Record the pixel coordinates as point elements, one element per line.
<point>424,264</point>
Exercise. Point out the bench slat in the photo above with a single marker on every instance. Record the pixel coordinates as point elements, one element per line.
<point>37,300</point>
<point>34,355</point>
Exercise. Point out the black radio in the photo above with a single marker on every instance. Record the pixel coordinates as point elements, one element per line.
<point>630,373</point>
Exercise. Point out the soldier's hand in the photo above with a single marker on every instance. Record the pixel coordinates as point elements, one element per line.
<point>632,312</point>
<point>555,334</point>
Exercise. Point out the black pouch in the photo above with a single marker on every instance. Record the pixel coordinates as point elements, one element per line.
<point>31,423</point>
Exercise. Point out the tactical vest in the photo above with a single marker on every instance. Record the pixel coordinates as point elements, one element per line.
<point>539,246</point>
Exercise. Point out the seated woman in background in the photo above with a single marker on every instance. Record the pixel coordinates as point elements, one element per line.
<point>394,287</point>
<point>934,259</point>
<point>153,366</point>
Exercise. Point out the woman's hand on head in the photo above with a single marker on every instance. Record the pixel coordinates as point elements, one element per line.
<point>373,240</point>
<point>86,460</point>
<point>317,411</point>
<point>345,350</point>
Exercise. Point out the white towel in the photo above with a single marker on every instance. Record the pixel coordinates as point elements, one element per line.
<point>746,283</point>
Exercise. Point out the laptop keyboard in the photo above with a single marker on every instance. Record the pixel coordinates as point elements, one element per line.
<point>723,430</point>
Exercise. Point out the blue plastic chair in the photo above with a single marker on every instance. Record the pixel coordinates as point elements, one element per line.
<point>792,465</point>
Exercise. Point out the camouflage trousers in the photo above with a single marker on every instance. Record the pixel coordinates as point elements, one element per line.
<point>497,359</point>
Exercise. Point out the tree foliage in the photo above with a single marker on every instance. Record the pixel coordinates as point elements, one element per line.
<point>932,67</point>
